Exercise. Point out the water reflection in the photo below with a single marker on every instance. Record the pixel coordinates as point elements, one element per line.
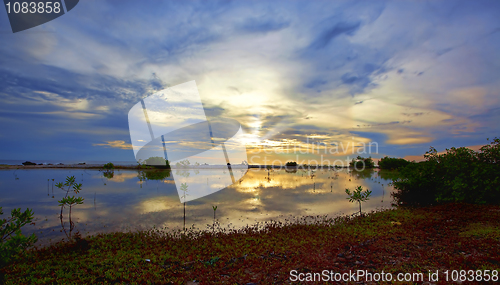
<point>153,174</point>
<point>196,183</point>
<point>132,199</point>
<point>109,174</point>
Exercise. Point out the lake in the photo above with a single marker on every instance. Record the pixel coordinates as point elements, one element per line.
<point>125,200</point>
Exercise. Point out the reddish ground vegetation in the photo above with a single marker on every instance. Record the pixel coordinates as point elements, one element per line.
<point>447,237</point>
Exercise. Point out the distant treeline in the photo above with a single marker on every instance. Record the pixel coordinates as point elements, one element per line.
<point>392,163</point>
<point>458,175</point>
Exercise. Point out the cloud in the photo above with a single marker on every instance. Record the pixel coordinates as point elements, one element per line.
<point>263,25</point>
<point>409,140</point>
<point>115,144</point>
<point>330,34</point>
<point>413,72</point>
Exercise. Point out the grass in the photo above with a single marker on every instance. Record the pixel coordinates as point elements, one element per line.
<point>480,230</point>
<point>447,237</point>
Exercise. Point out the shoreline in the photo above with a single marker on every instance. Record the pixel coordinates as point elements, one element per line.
<point>77,166</point>
<point>101,166</point>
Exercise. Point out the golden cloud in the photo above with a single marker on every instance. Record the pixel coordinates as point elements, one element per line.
<point>115,144</point>
<point>409,140</point>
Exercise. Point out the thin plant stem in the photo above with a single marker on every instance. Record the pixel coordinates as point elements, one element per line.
<point>70,222</point>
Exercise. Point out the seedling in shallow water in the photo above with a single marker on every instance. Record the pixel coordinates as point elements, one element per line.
<point>215,209</point>
<point>184,188</point>
<point>69,200</point>
<point>358,195</point>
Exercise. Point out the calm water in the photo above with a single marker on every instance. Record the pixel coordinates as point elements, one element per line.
<point>131,200</point>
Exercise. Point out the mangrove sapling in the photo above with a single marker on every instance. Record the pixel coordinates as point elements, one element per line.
<point>69,200</point>
<point>215,209</point>
<point>358,195</point>
<point>184,189</point>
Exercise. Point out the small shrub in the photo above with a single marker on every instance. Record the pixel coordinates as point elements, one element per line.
<point>157,161</point>
<point>109,165</point>
<point>361,163</point>
<point>12,241</point>
<point>392,163</point>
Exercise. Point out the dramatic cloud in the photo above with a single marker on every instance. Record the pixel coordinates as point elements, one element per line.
<point>406,75</point>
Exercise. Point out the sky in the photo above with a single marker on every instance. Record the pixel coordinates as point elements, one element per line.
<point>307,80</point>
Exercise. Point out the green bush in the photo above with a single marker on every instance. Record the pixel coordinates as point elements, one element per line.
<point>291,163</point>
<point>392,163</point>
<point>157,161</point>
<point>12,241</point>
<point>459,175</point>
<point>361,163</point>
<point>416,184</point>
<point>109,165</point>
